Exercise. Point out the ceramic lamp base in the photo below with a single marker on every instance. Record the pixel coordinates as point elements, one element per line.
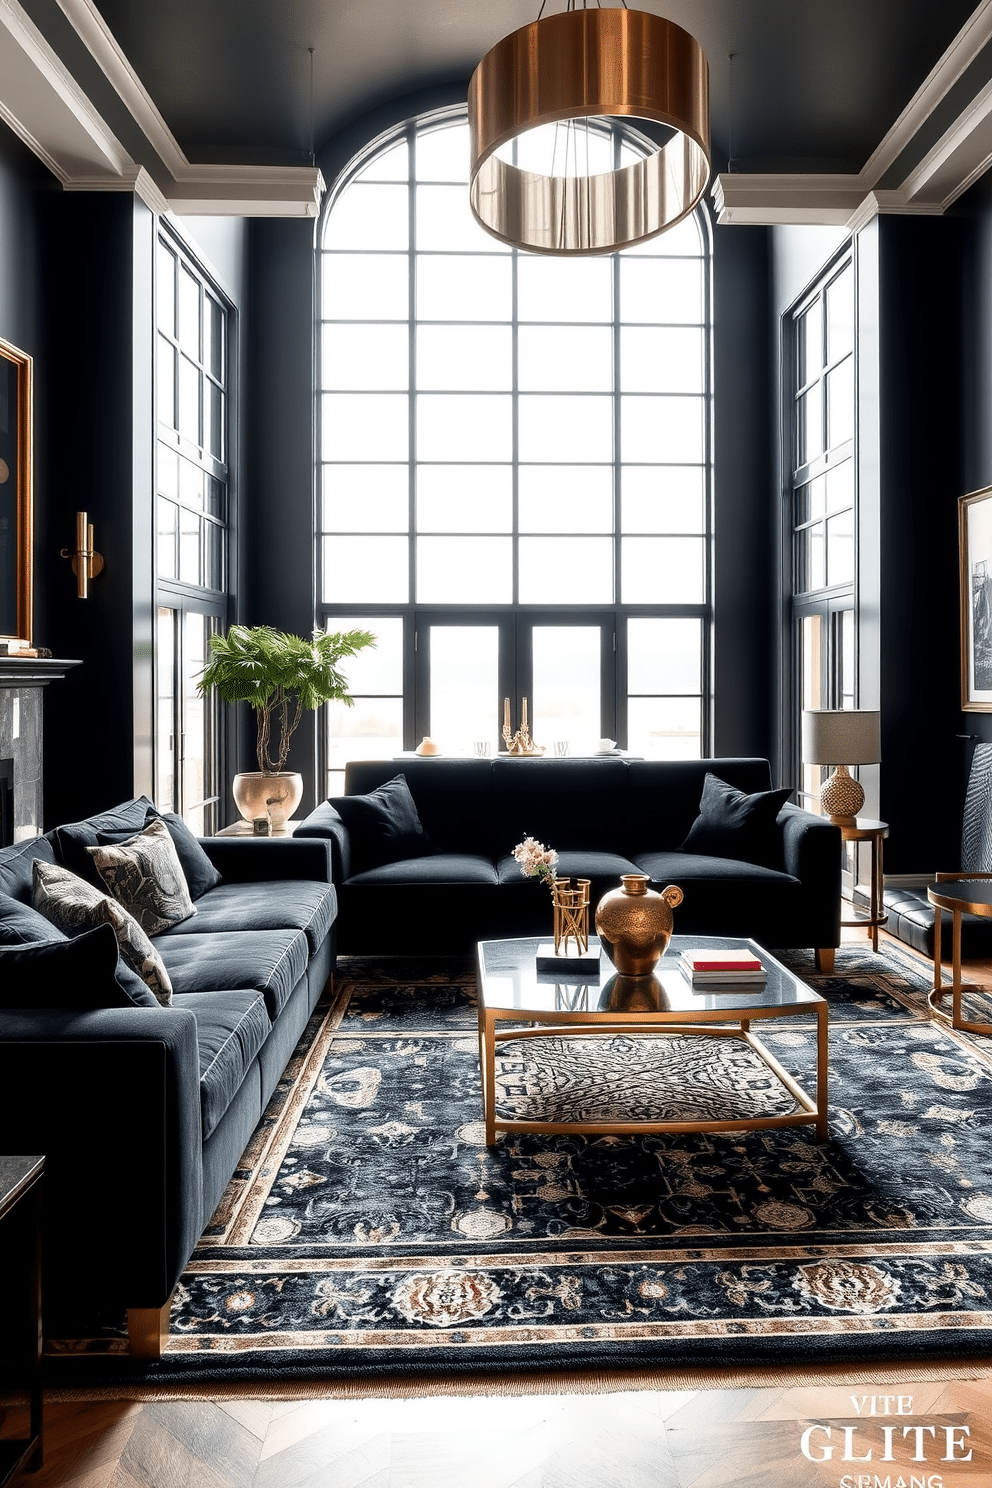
<point>842,797</point>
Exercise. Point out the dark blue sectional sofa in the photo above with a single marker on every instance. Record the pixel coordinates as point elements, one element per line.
<point>606,817</point>
<point>143,1113</point>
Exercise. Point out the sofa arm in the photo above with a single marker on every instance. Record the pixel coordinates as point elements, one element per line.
<point>812,852</point>
<point>325,823</point>
<point>259,859</point>
<point>111,1097</point>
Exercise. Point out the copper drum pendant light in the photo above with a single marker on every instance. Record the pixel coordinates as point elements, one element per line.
<point>585,65</point>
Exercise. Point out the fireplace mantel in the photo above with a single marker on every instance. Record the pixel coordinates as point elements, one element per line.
<point>21,736</point>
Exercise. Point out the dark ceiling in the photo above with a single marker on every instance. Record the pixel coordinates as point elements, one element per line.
<point>816,83</point>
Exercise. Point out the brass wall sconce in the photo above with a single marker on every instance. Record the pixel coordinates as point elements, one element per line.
<point>86,561</point>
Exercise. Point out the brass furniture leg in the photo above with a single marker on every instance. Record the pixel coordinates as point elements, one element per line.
<point>148,1330</point>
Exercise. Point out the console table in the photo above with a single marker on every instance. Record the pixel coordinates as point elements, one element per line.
<point>20,1264</point>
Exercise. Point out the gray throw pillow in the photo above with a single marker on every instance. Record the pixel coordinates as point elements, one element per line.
<point>74,905</point>
<point>145,875</point>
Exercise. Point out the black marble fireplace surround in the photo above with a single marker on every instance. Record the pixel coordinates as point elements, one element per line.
<point>22,692</point>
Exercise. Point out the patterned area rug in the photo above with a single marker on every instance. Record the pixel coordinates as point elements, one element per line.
<point>370,1230</point>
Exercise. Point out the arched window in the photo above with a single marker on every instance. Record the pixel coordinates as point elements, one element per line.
<point>514,470</point>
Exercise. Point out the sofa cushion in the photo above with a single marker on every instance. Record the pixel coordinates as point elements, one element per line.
<point>231,1028</point>
<point>266,961</point>
<point>22,925</point>
<point>74,905</point>
<point>564,803</point>
<point>438,868</point>
<point>17,866</point>
<point>287,904</point>
<point>73,838</point>
<point>384,825</point>
<point>724,897</point>
<point>603,869</point>
<point>145,875</point>
<point>81,973</point>
<point>674,867</point>
<point>734,824</point>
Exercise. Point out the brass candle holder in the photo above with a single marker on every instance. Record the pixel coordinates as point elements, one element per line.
<point>520,743</point>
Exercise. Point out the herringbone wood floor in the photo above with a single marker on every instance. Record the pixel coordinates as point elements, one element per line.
<point>647,1438</point>
<point>708,1438</point>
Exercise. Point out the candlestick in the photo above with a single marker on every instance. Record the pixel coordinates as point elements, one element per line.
<point>523,714</point>
<point>506,713</point>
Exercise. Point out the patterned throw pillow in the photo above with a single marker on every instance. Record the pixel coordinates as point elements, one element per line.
<point>144,874</point>
<point>74,905</point>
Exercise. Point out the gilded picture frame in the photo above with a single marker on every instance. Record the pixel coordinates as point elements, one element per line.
<point>16,495</point>
<point>975,558</point>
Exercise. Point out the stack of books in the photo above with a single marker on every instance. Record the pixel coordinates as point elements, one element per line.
<point>728,971</point>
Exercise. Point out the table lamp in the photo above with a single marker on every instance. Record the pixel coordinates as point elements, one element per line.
<point>841,737</point>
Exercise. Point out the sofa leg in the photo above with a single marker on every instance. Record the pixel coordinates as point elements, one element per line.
<point>148,1330</point>
<point>825,959</point>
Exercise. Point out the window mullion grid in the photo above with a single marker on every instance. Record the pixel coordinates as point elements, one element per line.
<point>515,426</point>
<point>410,700</point>
<point>619,729</point>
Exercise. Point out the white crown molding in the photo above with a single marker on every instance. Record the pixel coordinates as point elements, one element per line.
<point>45,107</point>
<point>955,162</point>
<point>973,36</point>
<point>247,191</point>
<point>775,199</point>
<point>214,190</point>
<point>135,179</point>
<point>98,37</point>
<point>41,102</point>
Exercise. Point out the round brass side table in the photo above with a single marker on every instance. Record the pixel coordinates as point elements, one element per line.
<point>863,829</point>
<point>960,895</point>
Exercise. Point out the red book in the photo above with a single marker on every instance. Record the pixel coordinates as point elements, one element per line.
<point>721,961</point>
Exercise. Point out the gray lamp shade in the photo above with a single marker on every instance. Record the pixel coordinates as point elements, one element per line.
<point>834,736</point>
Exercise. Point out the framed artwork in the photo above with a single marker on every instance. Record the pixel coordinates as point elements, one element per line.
<point>975,553</point>
<point>16,578</point>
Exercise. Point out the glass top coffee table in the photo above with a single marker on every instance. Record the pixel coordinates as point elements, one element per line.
<point>516,1002</point>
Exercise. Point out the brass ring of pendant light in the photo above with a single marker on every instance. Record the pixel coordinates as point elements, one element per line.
<point>580,64</point>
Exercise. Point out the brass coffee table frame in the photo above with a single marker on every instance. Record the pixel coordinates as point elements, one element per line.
<point>957,903</point>
<point>734,1023</point>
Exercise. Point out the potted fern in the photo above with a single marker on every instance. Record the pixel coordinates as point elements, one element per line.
<point>281,676</point>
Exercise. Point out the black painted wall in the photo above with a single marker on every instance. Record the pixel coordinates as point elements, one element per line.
<point>921,374</point>
<point>745,508</point>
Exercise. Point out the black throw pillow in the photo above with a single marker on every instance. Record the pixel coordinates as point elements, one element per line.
<point>22,925</point>
<point>81,973</point>
<point>200,873</point>
<point>384,825</point>
<point>732,824</point>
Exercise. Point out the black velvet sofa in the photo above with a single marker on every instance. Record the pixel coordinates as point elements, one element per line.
<point>143,1112</point>
<point>605,817</point>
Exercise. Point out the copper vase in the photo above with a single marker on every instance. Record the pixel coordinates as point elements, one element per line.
<point>635,923</point>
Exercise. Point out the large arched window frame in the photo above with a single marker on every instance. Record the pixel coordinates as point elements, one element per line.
<point>514,469</point>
